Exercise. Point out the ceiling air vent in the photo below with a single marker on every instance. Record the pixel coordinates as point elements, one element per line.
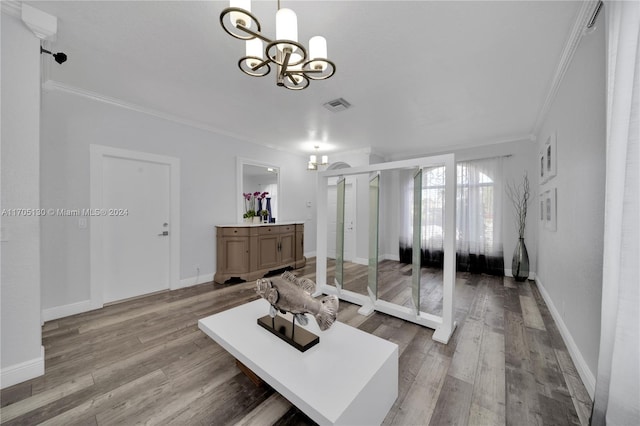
<point>337,105</point>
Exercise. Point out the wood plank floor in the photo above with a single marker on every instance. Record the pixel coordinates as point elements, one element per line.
<point>146,361</point>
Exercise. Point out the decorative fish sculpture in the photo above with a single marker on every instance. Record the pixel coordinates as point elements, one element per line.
<point>289,293</point>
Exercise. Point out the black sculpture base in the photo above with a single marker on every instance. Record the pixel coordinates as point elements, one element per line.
<point>297,337</point>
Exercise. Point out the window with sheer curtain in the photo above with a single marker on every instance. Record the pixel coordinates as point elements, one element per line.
<point>478,216</point>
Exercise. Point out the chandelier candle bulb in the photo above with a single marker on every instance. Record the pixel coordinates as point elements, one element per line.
<point>254,49</point>
<point>318,49</point>
<point>286,28</point>
<point>325,160</point>
<point>313,159</point>
<point>238,18</point>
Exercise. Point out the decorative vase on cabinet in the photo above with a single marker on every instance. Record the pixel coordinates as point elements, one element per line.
<point>520,262</point>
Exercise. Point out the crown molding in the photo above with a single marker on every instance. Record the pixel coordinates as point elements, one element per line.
<point>472,144</point>
<point>12,8</point>
<point>55,86</point>
<point>43,25</point>
<point>577,31</point>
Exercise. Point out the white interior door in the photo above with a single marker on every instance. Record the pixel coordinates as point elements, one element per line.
<point>136,243</point>
<point>349,220</point>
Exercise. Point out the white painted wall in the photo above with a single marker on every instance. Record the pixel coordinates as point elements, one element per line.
<point>22,356</point>
<point>570,259</point>
<point>208,187</point>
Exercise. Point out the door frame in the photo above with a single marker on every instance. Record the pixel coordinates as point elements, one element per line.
<point>97,154</point>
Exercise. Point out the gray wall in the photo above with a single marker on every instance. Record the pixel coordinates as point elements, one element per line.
<point>570,259</point>
<point>208,185</point>
<point>20,286</point>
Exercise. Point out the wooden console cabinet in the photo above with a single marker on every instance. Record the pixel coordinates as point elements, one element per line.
<point>251,251</point>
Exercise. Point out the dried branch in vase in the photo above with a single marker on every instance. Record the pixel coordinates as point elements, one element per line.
<point>520,196</point>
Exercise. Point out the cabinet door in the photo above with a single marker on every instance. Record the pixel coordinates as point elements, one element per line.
<point>299,243</point>
<point>288,248</point>
<point>236,255</point>
<point>268,253</point>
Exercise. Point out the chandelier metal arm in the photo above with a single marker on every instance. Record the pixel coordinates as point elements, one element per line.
<point>285,64</point>
<point>291,79</point>
<point>253,33</point>
<point>261,64</point>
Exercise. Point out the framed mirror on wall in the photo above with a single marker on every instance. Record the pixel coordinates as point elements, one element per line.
<point>255,177</point>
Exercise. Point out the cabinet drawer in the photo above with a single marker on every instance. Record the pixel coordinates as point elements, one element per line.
<point>268,230</point>
<point>276,229</point>
<point>230,232</point>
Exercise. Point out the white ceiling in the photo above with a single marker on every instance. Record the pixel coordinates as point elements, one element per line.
<point>421,75</point>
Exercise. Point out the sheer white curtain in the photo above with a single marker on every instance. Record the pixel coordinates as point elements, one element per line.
<point>433,187</point>
<point>405,213</point>
<point>478,216</point>
<point>617,396</point>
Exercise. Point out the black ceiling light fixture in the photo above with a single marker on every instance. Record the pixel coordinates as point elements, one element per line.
<point>59,57</point>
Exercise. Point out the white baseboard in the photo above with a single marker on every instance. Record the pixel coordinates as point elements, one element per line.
<point>198,279</point>
<point>67,310</point>
<point>360,261</point>
<point>87,305</point>
<point>310,254</point>
<point>22,372</point>
<point>585,373</point>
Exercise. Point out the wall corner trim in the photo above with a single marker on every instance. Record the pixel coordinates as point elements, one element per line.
<point>577,31</point>
<point>23,371</point>
<point>586,375</point>
<point>11,8</point>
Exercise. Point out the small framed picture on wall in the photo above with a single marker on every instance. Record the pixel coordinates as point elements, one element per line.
<point>550,156</point>
<point>550,209</point>
<point>542,166</point>
<point>543,213</point>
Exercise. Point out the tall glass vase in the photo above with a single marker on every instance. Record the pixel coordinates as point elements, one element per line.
<point>269,208</point>
<point>520,262</point>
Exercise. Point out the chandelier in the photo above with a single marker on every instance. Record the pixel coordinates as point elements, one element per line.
<point>313,160</point>
<point>295,66</point>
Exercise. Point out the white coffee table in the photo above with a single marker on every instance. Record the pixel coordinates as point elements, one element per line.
<point>350,377</point>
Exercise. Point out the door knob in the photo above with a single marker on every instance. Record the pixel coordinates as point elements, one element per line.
<point>164,234</point>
